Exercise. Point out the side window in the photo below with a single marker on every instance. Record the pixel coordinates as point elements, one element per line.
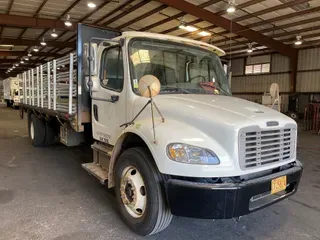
<point>111,76</point>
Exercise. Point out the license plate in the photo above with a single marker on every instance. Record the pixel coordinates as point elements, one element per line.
<point>278,184</point>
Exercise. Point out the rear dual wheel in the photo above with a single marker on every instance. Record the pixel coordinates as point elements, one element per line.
<point>40,131</point>
<point>36,131</point>
<point>140,192</point>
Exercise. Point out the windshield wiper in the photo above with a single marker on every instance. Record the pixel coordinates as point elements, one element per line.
<point>164,88</point>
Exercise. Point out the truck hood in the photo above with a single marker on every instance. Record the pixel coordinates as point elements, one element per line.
<point>209,121</point>
<point>224,110</point>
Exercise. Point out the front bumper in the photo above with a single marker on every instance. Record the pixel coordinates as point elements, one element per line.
<point>228,200</point>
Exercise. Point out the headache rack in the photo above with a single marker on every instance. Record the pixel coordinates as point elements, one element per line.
<point>262,147</point>
<point>52,86</point>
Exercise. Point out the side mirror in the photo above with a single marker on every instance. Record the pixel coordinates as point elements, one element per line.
<point>149,86</point>
<point>86,58</point>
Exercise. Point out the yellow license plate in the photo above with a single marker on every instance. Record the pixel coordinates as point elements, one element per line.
<point>278,184</point>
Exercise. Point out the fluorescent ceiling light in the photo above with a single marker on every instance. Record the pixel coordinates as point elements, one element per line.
<point>91,5</point>
<point>6,46</point>
<point>204,33</point>
<point>190,28</point>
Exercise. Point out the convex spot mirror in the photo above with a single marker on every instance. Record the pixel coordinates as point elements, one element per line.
<point>149,86</point>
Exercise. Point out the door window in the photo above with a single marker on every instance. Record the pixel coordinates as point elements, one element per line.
<point>111,76</point>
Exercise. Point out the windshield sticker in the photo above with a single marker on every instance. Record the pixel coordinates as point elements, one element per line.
<point>135,83</point>
<point>141,56</point>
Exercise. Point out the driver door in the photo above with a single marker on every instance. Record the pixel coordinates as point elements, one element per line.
<point>110,113</point>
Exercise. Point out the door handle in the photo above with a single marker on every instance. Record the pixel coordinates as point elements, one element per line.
<point>95,112</point>
<point>114,98</point>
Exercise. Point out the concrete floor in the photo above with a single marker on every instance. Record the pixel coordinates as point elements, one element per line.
<point>45,194</point>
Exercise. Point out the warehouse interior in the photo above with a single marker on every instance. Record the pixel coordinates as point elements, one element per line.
<point>272,52</point>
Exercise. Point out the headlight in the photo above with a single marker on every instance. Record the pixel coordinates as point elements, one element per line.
<point>185,153</point>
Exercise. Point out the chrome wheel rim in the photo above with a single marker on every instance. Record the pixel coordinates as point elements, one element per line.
<point>133,192</point>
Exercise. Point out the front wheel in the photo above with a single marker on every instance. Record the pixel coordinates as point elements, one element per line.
<point>140,194</point>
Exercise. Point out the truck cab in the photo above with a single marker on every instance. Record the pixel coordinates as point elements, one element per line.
<point>169,136</point>
<point>12,91</point>
<point>214,155</point>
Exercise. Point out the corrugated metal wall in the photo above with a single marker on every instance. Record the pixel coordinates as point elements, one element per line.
<point>260,83</point>
<point>280,63</point>
<point>308,81</point>
<point>240,83</point>
<point>309,59</point>
<point>237,67</point>
<point>308,78</point>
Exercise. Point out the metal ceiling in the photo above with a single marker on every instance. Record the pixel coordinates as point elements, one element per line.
<point>270,25</point>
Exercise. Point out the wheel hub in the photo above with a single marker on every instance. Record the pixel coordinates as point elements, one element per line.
<point>132,191</point>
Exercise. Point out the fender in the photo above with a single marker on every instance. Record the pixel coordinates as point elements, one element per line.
<point>183,133</point>
<point>118,146</point>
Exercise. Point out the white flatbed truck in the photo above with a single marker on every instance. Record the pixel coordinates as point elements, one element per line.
<point>169,136</point>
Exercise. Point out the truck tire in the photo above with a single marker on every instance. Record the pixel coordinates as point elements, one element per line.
<point>50,136</point>
<point>139,188</point>
<point>36,131</point>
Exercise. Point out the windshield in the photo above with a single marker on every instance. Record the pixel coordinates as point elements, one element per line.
<point>180,68</point>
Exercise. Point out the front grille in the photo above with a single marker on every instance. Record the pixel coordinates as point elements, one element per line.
<point>260,147</point>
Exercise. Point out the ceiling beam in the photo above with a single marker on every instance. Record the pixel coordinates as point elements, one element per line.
<point>278,35</point>
<point>271,9</point>
<point>213,18</point>
<point>10,7</point>
<point>178,15</point>
<point>88,15</point>
<point>126,12</point>
<point>143,16</point>
<point>24,42</point>
<point>32,22</point>
<point>36,14</point>
<point>279,27</point>
<point>23,53</point>
<point>240,6</point>
<point>120,7</point>
<point>273,20</point>
<point>40,8</point>
<point>95,10</point>
<point>285,17</point>
<point>8,12</point>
